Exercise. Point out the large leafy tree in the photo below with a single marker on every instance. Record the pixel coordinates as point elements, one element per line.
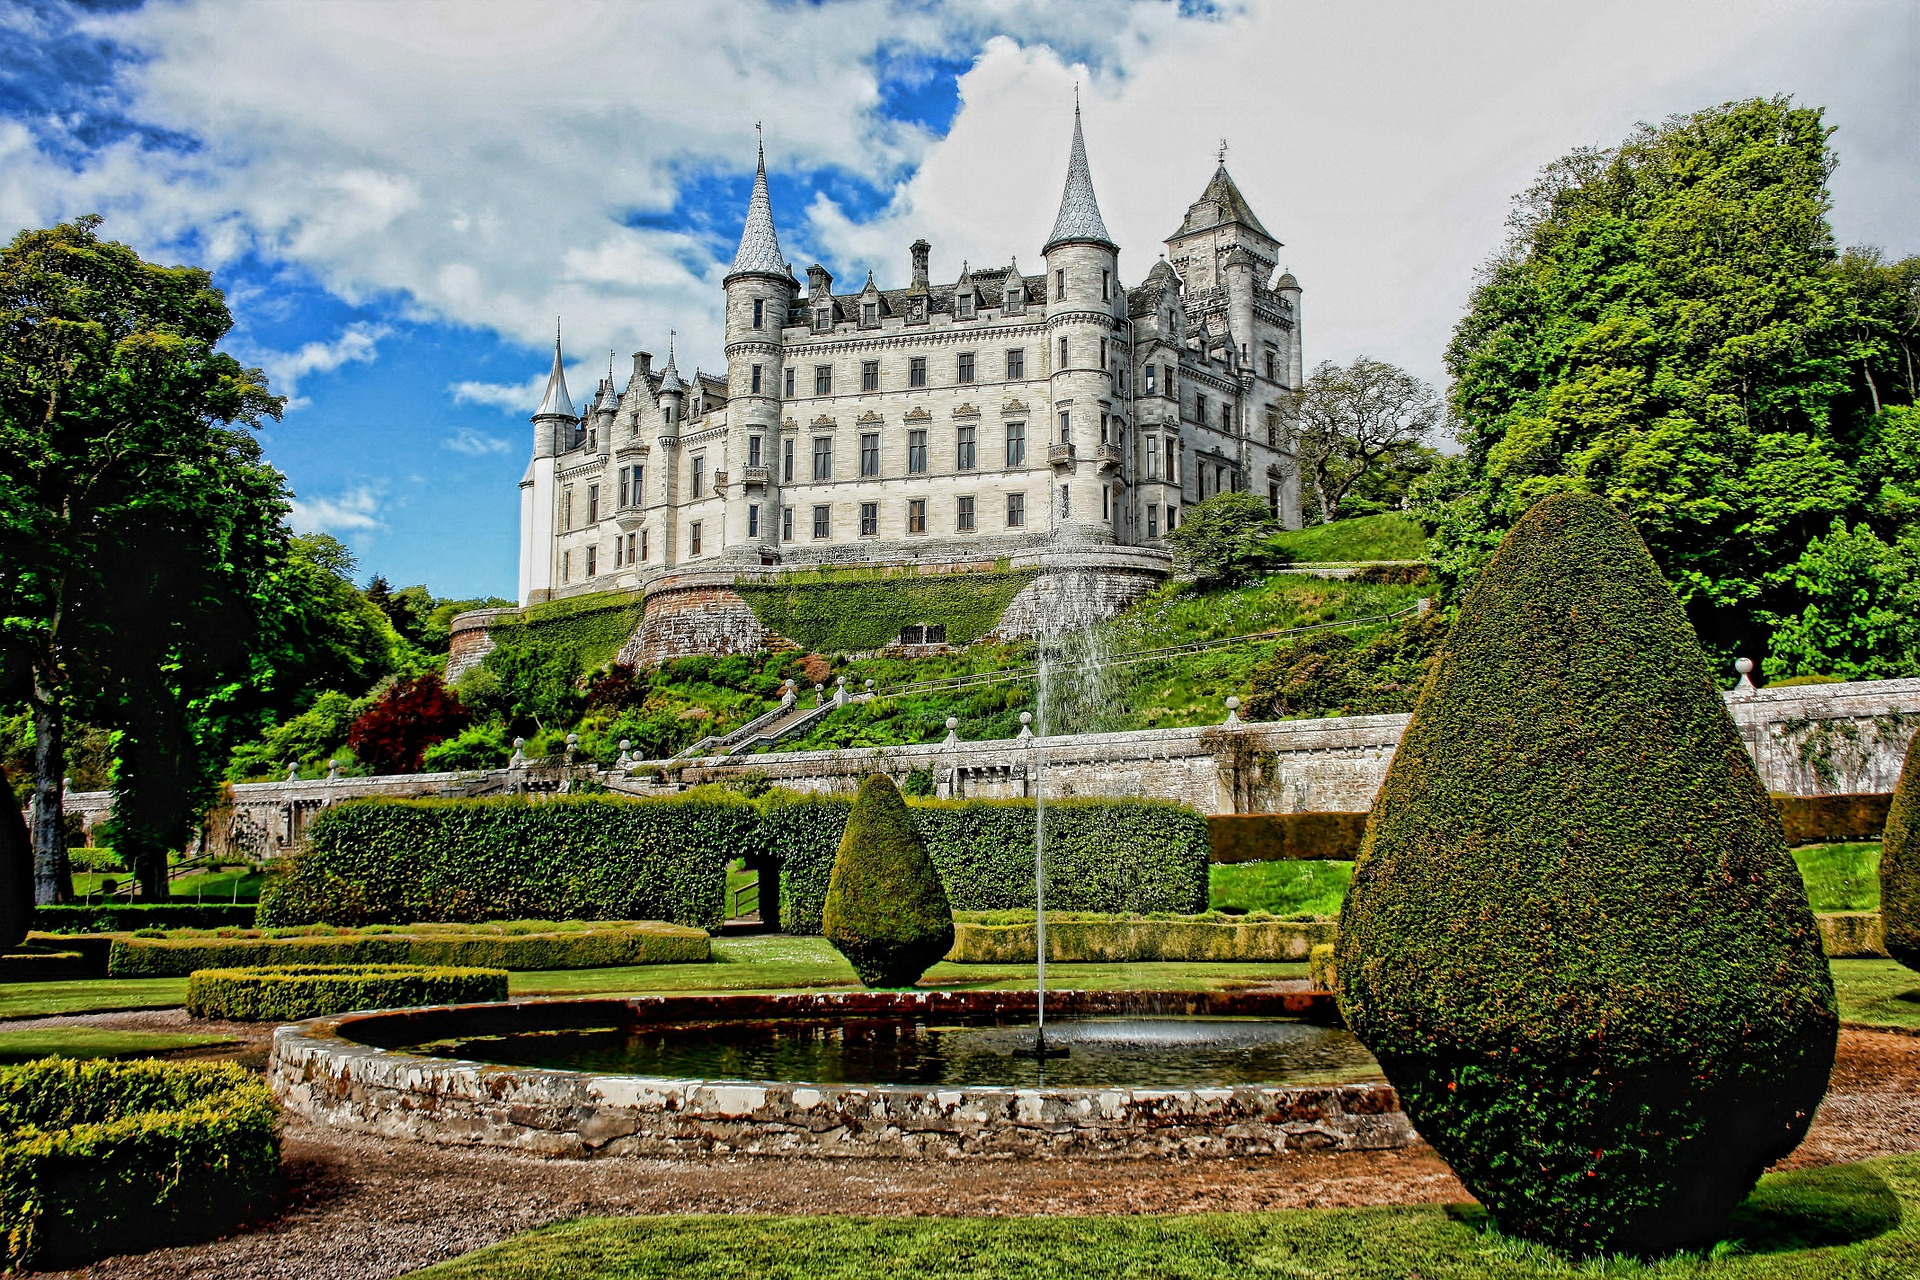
<point>1361,421</point>
<point>140,531</point>
<point>1671,326</point>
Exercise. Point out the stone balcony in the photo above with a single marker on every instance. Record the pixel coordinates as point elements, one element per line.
<point>1060,455</point>
<point>1109,457</point>
<point>753,477</point>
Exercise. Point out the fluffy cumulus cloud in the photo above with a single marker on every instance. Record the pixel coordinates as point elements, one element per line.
<point>358,343</point>
<point>474,444</point>
<point>355,511</point>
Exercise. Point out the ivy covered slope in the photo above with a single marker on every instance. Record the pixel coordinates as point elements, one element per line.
<point>1574,939</point>
<point>1900,863</point>
<point>885,910</point>
<point>848,610</point>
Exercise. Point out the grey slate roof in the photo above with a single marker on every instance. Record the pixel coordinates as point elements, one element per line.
<point>1221,202</point>
<point>1079,216</point>
<point>759,251</point>
<point>556,401</point>
<point>670,383</point>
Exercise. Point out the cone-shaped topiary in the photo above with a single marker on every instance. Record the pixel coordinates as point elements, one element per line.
<point>886,911</point>
<point>16,876</point>
<point>1575,940</point>
<point>1900,864</point>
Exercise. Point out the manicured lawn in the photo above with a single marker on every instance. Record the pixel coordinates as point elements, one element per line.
<point>1284,888</point>
<point>1841,877</point>
<point>1870,992</point>
<point>95,1042</point>
<point>89,995</point>
<point>1383,537</point>
<point>1851,1222</point>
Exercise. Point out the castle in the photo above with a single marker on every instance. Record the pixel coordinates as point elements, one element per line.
<point>1005,415</point>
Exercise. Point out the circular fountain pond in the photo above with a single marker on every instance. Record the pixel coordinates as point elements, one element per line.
<point>865,1073</point>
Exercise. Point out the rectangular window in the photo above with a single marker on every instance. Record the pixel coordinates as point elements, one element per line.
<point>593,561</point>
<point>1153,519</point>
<point>823,457</point>
<point>566,509</point>
<point>1016,364</point>
<point>623,486</point>
<point>1273,430</point>
<point>823,379</point>
<point>753,451</point>
<point>1150,379</point>
<point>699,474</point>
<point>869,453</point>
<point>566,566</point>
<point>1060,286</point>
<point>753,519</point>
<point>1063,354</point>
<point>1200,409</point>
<point>1273,498</point>
<point>916,452</point>
<point>1103,353</point>
<point>1066,501</point>
<point>593,504</point>
<point>1016,444</point>
<point>1153,457</point>
<point>916,515</point>
<point>786,461</point>
<point>1173,517</point>
<point>917,371</point>
<point>1106,503</point>
<point>1106,285</point>
<point>965,302</point>
<point>633,541</point>
<point>1016,510</point>
<point>964,516</point>
<point>759,317</point>
<point>823,320</point>
<point>756,379</point>
<point>693,538</point>
<point>820,522</point>
<point>870,314</point>
<point>964,459</point>
<point>1226,416</point>
<point>1173,472</point>
<point>869,375</point>
<point>643,544</point>
<point>964,372</point>
<point>869,519</point>
<point>786,524</point>
<point>1066,426</point>
<point>789,384</point>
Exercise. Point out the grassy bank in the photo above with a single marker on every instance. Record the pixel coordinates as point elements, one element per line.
<point>1383,537</point>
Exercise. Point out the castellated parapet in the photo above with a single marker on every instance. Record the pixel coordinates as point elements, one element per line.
<point>1004,415</point>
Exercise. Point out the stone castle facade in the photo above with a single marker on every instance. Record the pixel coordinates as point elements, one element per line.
<point>1004,416</point>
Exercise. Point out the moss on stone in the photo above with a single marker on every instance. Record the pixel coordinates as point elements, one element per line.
<point>1900,863</point>
<point>885,910</point>
<point>1575,940</point>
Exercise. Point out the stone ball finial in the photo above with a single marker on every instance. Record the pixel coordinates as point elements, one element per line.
<point>626,744</point>
<point>1026,717</point>
<point>1743,665</point>
<point>869,686</point>
<point>1233,703</point>
<point>519,743</point>
<point>840,680</point>
<point>573,739</point>
<point>953,722</point>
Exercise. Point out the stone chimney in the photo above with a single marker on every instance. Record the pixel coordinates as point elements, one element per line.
<point>920,251</point>
<point>642,364</point>
<point>819,282</point>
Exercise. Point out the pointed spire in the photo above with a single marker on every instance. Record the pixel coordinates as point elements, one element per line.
<point>670,383</point>
<point>556,403</point>
<point>759,252</point>
<point>1079,217</point>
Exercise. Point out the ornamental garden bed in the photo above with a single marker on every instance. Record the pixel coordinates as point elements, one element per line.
<point>107,1157</point>
<point>1009,937</point>
<point>312,991</point>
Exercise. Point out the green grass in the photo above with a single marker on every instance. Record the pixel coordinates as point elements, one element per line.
<point>89,995</point>
<point>1841,877</point>
<point>1849,1222</point>
<point>1383,537</point>
<point>1283,888</point>
<point>201,886</point>
<point>96,1042</point>
<point>1870,992</point>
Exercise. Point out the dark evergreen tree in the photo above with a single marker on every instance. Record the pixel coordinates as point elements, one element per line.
<point>1575,939</point>
<point>886,911</point>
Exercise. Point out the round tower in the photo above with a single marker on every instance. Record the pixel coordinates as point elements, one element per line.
<point>553,425</point>
<point>760,288</point>
<point>1085,308</point>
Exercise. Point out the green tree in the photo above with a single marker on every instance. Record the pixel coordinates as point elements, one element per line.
<point>1359,422</point>
<point>1900,863</point>
<point>885,910</point>
<point>1575,939</point>
<point>1671,326</point>
<point>1221,540</point>
<point>138,525</point>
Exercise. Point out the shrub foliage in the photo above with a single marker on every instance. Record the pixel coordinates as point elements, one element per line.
<point>570,858</point>
<point>1900,863</point>
<point>885,910</point>
<point>293,992</point>
<point>843,610</point>
<point>108,1157</point>
<point>1575,940</point>
<point>1127,856</point>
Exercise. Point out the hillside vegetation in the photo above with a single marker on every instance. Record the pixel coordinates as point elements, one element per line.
<point>1389,536</point>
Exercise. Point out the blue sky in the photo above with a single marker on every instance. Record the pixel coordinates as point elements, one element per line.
<point>399,198</point>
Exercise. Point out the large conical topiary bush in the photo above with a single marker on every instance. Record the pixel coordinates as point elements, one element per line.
<point>16,875</point>
<point>886,911</point>
<point>1575,940</point>
<point>1900,864</point>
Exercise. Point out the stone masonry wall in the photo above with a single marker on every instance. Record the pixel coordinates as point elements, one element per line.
<point>697,614</point>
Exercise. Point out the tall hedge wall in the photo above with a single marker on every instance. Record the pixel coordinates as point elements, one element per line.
<point>1135,856</point>
<point>567,858</point>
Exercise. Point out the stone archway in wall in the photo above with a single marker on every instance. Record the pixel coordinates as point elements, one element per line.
<point>765,863</point>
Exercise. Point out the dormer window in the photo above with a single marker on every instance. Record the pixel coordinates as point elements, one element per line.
<point>869,314</point>
<point>965,304</point>
<point>823,319</point>
<point>1015,300</point>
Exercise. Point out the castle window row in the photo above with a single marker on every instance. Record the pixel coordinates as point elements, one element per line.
<point>965,517</point>
<point>966,451</point>
<point>966,370</point>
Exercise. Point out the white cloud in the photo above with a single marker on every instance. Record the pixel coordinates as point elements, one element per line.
<point>358,343</point>
<point>475,445</point>
<point>355,511</point>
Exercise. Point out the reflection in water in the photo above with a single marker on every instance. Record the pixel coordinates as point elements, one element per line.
<point>1127,1052</point>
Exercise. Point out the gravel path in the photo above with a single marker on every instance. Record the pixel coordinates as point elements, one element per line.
<point>361,1208</point>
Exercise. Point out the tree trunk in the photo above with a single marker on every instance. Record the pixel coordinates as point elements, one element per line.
<point>52,877</point>
<point>151,876</point>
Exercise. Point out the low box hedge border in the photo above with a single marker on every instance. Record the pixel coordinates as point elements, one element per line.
<point>1088,938</point>
<point>100,1157</point>
<point>290,993</point>
<point>101,917</point>
<point>520,947</point>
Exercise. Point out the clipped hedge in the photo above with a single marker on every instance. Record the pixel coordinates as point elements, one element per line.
<point>1085,938</point>
<point>1852,935</point>
<point>74,917</point>
<point>1129,857</point>
<point>1321,974</point>
<point>842,610</point>
<point>317,990</point>
<point>566,858</point>
<point>519,947</point>
<point>1276,837</point>
<point>1900,863</point>
<point>885,910</point>
<point>1832,819</point>
<point>100,1157</point>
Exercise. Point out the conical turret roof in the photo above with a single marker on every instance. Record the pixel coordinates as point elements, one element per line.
<point>759,252</point>
<point>1221,202</point>
<point>556,403</point>
<point>1079,217</point>
<point>670,383</point>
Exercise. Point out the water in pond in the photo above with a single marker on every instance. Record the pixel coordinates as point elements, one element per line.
<point>1144,1052</point>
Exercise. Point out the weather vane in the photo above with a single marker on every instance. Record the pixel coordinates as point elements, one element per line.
<point>1221,156</point>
